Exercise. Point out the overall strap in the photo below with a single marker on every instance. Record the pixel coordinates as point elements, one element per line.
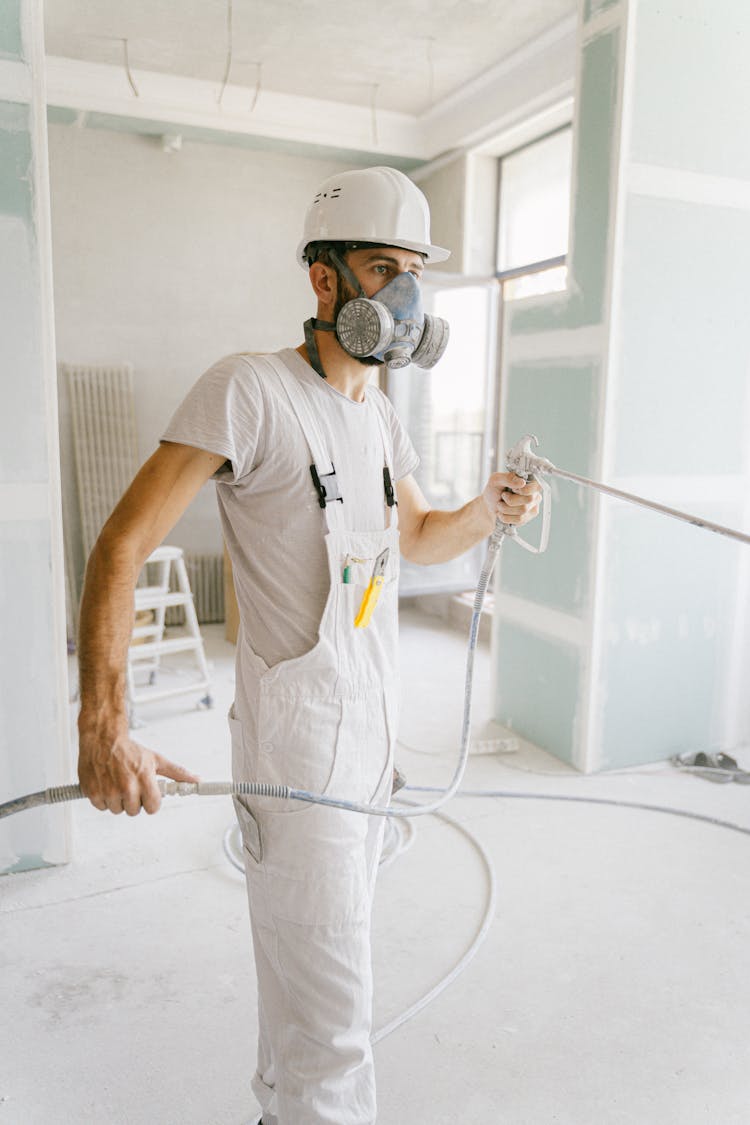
<point>389,479</point>
<point>322,469</point>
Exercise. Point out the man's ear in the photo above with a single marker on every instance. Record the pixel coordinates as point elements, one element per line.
<point>324,282</point>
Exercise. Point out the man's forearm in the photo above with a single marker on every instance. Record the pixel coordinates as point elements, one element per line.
<point>445,535</point>
<point>105,629</point>
<point>434,536</point>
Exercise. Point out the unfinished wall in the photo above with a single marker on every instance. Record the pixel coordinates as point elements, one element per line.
<point>34,751</point>
<point>625,643</point>
<point>171,261</point>
<point>677,420</point>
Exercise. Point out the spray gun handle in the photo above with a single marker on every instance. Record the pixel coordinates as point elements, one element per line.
<point>523,462</point>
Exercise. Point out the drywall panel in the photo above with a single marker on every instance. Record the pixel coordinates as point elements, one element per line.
<point>15,161</point>
<point>537,687</point>
<point>34,749</point>
<point>29,717</point>
<point>681,404</point>
<point>667,611</point>
<point>11,40</point>
<point>691,98</point>
<point>559,403</point>
<point>593,8</point>
<point>23,439</point>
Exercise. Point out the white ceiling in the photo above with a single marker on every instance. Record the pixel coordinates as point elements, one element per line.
<point>415,52</point>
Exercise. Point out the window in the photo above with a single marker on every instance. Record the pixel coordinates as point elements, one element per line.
<point>533,216</point>
<point>448,413</point>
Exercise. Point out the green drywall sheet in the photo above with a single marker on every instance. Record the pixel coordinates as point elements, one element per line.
<point>59,115</point>
<point>16,185</point>
<point>668,605</point>
<point>23,445</point>
<point>595,7</point>
<point>538,683</point>
<point>682,393</point>
<point>594,155</point>
<point>11,39</point>
<point>559,403</point>
<point>691,93</point>
<point>27,863</point>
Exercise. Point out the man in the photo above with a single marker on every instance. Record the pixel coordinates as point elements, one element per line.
<point>316,494</point>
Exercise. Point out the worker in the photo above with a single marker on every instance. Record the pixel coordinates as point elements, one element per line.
<point>317,498</point>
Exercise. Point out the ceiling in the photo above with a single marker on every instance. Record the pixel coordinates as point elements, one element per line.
<point>390,54</point>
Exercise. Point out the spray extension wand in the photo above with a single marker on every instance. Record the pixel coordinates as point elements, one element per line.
<point>525,463</point>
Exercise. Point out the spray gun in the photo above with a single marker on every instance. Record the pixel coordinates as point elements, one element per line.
<point>521,461</point>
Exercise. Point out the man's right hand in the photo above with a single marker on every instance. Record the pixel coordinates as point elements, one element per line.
<point>120,775</point>
<point>116,773</point>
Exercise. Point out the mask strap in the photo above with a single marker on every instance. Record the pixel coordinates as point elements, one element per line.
<point>346,272</point>
<point>312,326</point>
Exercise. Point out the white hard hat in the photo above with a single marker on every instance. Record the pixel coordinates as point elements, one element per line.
<point>378,205</point>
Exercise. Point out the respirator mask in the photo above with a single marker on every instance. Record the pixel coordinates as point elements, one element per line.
<point>392,327</point>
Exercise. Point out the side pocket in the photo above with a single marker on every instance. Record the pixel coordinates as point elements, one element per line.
<point>250,829</point>
<point>239,763</point>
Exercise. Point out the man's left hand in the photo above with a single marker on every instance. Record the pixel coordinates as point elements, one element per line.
<point>511,499</point>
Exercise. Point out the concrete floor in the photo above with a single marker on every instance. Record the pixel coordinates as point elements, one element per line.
<point>613,987</point>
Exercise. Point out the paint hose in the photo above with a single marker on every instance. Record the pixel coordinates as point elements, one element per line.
<point>167,788</point>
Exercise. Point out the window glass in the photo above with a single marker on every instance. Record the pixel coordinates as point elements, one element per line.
<point>445,411</point>
<point>535,202</point>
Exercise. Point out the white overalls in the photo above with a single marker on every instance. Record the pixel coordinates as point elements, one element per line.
<point>325,722</point>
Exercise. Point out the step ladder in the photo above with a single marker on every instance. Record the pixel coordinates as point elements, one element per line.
<point>148,645</point>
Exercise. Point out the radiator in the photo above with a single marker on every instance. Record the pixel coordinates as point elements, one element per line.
<point>106,460</point>
<point>104,436</point>
<point>206,577</point>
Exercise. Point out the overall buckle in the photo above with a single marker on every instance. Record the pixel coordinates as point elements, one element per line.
<point>390,495</point>
<point>328,492</point>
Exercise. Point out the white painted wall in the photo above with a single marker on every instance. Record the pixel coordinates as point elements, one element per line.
<point>445,189</point>
<point>170,262</point>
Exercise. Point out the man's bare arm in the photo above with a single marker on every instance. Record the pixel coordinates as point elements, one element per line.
<point>429,535</point>
<point>115,772</point>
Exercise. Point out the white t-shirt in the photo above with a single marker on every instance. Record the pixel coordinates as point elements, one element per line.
<point>273,524</point>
